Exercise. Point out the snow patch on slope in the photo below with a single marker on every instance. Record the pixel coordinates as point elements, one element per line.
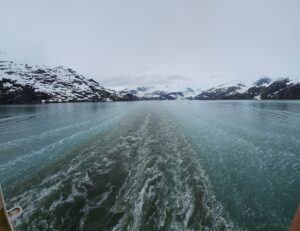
<point>57,84</point>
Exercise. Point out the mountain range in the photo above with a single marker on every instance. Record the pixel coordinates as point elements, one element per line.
<point>264,88</point>
<point>163,92</point>
<point>21,83</point>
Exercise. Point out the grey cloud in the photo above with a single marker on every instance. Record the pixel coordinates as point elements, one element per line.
<point>2,53</point>
<point>150,40</point>
<point>127,81</point>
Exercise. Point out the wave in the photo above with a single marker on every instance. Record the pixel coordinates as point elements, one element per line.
<point>140,175</point>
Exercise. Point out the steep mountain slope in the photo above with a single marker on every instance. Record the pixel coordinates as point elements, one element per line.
<point>21,83</point>
<point>264,88</point>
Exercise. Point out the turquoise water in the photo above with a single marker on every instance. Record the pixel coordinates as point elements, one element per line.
<point>176,165</point>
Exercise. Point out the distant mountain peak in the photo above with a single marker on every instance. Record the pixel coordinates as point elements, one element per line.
<point>163,92</point>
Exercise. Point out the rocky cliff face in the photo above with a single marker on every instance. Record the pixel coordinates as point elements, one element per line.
<point>264,88</point>
<point>21,83</point>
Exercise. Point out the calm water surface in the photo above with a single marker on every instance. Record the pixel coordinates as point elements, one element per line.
<point>176,165</point>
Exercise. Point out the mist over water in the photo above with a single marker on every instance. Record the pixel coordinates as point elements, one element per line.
<point>184,165</point>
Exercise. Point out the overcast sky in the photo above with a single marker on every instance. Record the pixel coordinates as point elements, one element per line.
<point>148,42</point>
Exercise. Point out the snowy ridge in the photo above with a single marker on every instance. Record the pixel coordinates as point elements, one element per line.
<point>264,88</point>
<point>21,83</point>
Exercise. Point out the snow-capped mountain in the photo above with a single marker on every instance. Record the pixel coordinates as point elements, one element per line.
<point>21,83</point>
<point>264,88</point>
<point>224,91</point>
<point>163,92</point>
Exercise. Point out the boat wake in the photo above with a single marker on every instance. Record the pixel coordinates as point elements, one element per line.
<point>140,175</point>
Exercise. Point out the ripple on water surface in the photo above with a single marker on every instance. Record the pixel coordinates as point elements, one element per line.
<point>156,166</point>
<point>140,175</point>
